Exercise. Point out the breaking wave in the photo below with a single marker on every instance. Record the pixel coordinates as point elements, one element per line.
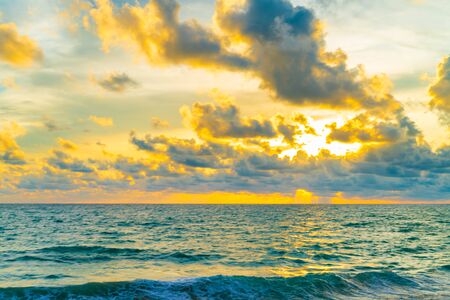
<point>369,285</point>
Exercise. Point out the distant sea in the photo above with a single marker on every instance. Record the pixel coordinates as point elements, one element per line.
<point>224,252</point>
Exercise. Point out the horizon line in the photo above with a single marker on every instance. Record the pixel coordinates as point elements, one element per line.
<point>227,204</point>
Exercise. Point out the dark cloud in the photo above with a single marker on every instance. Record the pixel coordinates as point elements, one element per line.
<point>52,125</point>
<point>365,128</point>
<point>287,50</point>
<point>63,161</point>
<point>181,151</point>
<point>48,181</point>
<point>117,82</point>
<point>131,166</point>
<point>12,157</point>
<point>261,164</point>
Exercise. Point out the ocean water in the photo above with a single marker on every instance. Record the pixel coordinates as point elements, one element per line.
<point>224,252</point>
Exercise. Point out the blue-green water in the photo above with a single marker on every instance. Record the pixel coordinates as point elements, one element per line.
<point>224,252</point>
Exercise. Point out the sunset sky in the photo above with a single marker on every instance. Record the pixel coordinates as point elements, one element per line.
<point>226,101</point>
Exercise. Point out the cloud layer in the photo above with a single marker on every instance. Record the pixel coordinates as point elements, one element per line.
<point>363,143</point>
<point>392,164</point>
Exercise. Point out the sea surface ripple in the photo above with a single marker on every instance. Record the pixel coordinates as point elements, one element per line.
<point>224,252</point>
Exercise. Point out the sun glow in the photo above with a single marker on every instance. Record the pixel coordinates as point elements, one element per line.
<point>313,144</point>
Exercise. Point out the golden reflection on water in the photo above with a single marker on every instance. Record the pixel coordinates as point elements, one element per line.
<point>123,243</point>
<point>284,271</point>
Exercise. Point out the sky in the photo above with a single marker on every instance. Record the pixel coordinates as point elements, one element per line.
<point>242,101</point>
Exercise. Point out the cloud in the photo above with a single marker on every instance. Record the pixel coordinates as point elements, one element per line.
<point>385,173</point>
<point>223,120</point>
<point>365,128</point>
<point>10,152</point>
<point>132,166</point>
<point>400,170</point>
<point>63,161</point>
<point>287,48</point>
<point>394,163</point>
<point>298,124</point>
<point>281,44</point>
<point>440,91</point>
<point>157,123</point>
<point>67,145</point>
<point>253,165</point>
<point>182,151</point>
<point>49,180</point>
<point>102,121</point>
<point>16,49</point>
<point>156,31</point>
<point>51,125</point>
<point>116,82</point>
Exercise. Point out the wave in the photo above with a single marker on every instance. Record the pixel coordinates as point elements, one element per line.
<point>181,256</point>
<point>357,224</point>
<point>81,254</point>
<point>445,268</point>
<point>89,249</point>
<point>371,285</point>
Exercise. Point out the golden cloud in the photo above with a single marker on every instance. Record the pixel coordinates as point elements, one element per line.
<point>67,145</point>
<point>368,128</point>
<point>155,30</point>
<point>102,121</point>
<point>223,120</point>
<point>440,90</point>
<point>10,152</point>
<point>16,49</point>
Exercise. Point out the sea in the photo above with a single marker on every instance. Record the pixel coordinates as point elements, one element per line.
<point>224,251</point>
